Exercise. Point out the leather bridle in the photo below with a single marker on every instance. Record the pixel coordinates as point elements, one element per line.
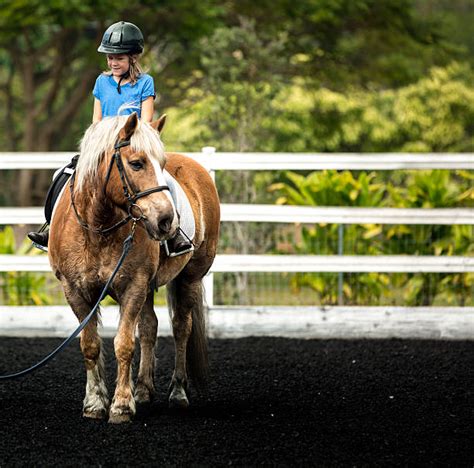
<point>128,191</point>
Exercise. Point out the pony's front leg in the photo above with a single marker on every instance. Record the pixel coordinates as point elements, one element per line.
<point>96,401</point>
<point>123,404</point>
<point>147,330</point>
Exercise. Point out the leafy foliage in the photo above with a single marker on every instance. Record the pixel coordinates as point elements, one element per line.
<point>20,288</point>
<point>421,189</point>
<point>434,114</point>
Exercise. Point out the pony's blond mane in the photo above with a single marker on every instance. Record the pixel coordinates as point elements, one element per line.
<point>100,138</point>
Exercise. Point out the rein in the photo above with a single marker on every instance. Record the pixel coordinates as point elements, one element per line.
<point>127,188</point>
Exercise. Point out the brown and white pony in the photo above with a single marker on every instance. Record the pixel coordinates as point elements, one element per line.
<point>83,259</point>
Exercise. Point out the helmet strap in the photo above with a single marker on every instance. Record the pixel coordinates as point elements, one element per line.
<point>123,77</point>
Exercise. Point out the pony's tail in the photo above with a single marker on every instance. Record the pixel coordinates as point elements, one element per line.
<point>183,296</point>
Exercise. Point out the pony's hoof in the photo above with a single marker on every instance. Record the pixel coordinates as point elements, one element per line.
<point>120,418</point>
<point>143,395</point>
<point>121,413</point>
<point>100,414</point>
<point>178,399</point>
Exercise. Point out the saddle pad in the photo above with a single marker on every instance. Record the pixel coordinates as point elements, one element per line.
<point>183,207</point>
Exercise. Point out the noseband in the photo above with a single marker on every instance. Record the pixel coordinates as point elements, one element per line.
<point>128,191</point>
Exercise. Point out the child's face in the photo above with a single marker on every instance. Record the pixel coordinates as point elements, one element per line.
<point>118,63</point>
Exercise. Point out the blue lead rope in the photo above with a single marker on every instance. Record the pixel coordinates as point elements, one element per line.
<point>127,244</point>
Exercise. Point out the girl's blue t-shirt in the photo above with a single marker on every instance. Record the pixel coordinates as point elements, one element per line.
<point>105,90</point>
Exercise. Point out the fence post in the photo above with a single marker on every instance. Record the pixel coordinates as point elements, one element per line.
<point>340,251</point>
<point>208,280</point>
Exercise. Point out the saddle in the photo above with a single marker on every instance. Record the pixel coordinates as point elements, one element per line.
<point>57,187</point>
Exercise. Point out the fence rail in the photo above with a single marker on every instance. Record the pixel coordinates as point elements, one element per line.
<point>275,161</point>
<point>295,263</point>
<point>345,215</point>
<point>234,322</point>
<point>300,214</point>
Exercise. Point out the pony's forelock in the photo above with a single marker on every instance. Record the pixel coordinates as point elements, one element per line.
<point>100,138</point>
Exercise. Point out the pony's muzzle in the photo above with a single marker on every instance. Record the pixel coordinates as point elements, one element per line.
<point>165,222</point>
<point>161,226</point>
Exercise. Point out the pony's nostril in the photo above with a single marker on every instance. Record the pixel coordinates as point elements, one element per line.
<point>164,223</point>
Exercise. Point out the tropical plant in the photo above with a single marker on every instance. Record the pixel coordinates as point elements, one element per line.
<point>21,288</point>
<point>427,189</point>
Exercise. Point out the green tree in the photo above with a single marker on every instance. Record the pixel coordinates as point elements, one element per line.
<point>372,44</point>
<point>242,73</point>
<point>49,63</point>
<point>433,114</point>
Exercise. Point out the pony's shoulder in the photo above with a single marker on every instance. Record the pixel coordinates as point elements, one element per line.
<point>175,161</point>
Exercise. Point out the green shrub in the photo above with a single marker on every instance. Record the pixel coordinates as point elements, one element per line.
<point>21,288</point>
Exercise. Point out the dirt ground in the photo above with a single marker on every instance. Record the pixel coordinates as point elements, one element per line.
<point>272,401</point>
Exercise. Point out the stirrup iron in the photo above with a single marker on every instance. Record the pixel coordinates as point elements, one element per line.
<point>178,254</point>
<point>39,246</point>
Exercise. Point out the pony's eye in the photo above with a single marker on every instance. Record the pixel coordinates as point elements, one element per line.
<point>136,165</point>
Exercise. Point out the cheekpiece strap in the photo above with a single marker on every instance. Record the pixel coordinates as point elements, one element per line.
<point>121,144</point>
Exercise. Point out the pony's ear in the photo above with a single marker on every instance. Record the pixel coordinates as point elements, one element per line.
<point>129,127</point>
<point>159,124</point>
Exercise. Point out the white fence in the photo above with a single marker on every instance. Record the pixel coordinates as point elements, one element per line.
<point>299,214</point>
<point>275,161</point>
<point>290,214</point>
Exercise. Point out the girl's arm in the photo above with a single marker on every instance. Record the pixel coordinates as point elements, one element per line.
<point>147,109</point>
<point>97,111</point>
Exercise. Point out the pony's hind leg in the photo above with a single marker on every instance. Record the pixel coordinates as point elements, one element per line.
<point>147,329</point>
<point>185,301</point>
<point>96,401</point>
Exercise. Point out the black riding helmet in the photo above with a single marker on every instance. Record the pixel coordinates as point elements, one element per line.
<point>122,38</point>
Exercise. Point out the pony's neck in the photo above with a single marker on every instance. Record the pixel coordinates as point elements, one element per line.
<point>95,208</point>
